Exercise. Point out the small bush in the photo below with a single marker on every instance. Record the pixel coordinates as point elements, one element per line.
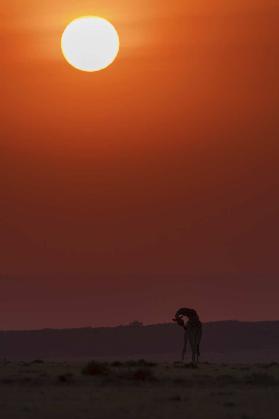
<point>175,398</point>
<point>65,378</point>
<point>6,380</point>
<point>117,364</point>
<point>95,368</point>
<point>135,323</point>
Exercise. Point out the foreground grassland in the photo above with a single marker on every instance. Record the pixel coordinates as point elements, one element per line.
<point>137,389</point>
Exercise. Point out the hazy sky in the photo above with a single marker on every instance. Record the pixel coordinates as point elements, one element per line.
<point>128,193</point>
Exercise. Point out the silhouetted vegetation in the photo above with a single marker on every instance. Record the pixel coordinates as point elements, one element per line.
<point>95,368</point>
<point>175,398</point>
<point>117,364</point>
<point>135,323</point>
<point>66,378</point>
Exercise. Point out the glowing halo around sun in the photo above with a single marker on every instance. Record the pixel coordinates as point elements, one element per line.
<point>90,43</point>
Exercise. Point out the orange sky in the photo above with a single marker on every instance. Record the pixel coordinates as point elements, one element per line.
<point>150,184</point>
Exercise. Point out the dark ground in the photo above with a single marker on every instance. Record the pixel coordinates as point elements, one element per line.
<point>138,390</point>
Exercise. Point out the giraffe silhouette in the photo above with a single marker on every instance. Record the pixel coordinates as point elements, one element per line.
<point>192,331</point>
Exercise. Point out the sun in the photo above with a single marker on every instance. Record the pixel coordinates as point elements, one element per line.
<point>90,43</point>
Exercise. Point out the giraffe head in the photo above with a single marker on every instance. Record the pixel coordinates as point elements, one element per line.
<point>179,320</point>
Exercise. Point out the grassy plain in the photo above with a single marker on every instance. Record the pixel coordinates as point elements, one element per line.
<point>138,390</point>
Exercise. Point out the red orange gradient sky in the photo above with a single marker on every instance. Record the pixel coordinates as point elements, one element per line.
<point>128,193</point>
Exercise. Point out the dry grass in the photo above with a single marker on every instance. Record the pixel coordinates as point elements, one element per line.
<point>138,389</point>
<point>141,363</point>
<point>139,374</point>
<point>261,379</point>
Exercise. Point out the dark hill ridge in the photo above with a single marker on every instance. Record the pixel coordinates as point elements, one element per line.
<point>226,341</point>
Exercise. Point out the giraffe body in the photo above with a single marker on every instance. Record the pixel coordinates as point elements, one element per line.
<point>193,331</point>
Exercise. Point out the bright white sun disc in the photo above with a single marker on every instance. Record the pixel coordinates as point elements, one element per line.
<point>90,43</point>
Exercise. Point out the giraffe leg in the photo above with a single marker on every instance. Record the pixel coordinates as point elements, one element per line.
<point>195,352</point>
<point>194,359</point>
<point>184,346</point>
<point>193,349</point>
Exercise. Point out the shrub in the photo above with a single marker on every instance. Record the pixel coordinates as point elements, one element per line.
<point>117,364</point>
<point>95,368</point>
<point>65,378</point>
<point>135,323</point>
<point>175,398</point>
